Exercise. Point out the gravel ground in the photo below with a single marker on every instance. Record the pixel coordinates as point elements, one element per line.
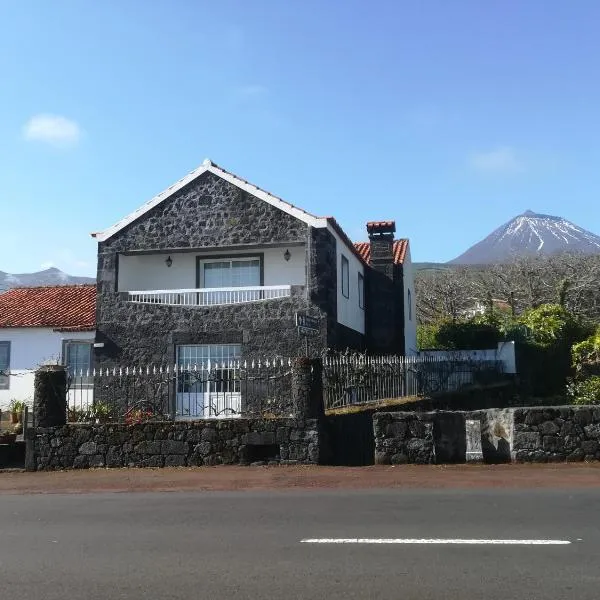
<point>302,477</point>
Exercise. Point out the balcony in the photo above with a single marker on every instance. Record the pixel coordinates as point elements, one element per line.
<point>201,297</point>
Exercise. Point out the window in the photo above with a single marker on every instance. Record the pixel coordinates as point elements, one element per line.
<point>345,277</point>
<point>77,357</point>
<point>409,305</point>
<point>4,365</point>
<point>228,273</point>
<point>361,290</point>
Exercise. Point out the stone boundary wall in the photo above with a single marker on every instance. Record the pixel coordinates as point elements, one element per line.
<point>402,438</point>
<point>556,434</point>
<point>175,444</point>
<point>419,438</point>
<point>544,434</point>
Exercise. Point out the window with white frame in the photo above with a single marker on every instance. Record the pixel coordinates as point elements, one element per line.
<point>230,272</point>
<point>4,365</point>
<point>345,277</point>
<point>361,290</point>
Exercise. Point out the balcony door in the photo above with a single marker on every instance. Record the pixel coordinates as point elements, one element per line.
<point>208,384</point>
<point>228,274</point>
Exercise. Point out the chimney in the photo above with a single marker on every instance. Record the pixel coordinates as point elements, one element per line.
<point>381,240</point>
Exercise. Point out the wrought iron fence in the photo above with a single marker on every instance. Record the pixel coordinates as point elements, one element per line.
<point>196,391</point>
<point>360,379</point>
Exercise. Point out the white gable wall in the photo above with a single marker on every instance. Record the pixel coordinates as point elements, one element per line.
<point>31,347</point>
<point>349,312</point>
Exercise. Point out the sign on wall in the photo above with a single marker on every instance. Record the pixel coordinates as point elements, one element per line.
<point>307,326</point>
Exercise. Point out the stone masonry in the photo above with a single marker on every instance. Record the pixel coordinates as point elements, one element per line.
<point>556,434</point>
<point>177,444</point>
<point>544,434</point>
<point>402,438</point>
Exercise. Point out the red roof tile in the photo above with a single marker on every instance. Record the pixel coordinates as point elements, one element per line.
<point>70,307</point>
<point>400,247</point>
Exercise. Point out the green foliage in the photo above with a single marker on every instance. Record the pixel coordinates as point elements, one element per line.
<point>427,337</point>
<point>463,335</point>
<point>586,391</point>
<point>545,359</point>
<point>17,406</point>
<point>552,325</point>
<point>586,356</point>
<point>468,336</point>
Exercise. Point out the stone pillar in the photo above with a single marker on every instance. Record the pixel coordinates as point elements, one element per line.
<point>307,388</point>
<point>50,396</point>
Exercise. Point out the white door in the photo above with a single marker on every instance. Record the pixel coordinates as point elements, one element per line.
<point>208,384</point>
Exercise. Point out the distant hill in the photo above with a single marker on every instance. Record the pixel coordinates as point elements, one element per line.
<point>431,266</point>
<point>50,276</point>
<point>530,234</point>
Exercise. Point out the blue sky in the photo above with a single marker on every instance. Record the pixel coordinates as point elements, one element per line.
<point>450,117</point>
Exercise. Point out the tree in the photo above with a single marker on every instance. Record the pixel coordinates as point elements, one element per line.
<point>569,280</point>
<point>443,294</point>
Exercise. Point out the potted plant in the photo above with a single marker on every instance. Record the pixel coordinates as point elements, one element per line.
<point>17,408</point>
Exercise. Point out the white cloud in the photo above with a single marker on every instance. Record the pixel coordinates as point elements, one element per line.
<point>498,161</point>
<point>47,265</point>
<point>52,129</point>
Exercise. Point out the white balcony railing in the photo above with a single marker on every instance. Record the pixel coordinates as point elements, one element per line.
<point>210,296</point>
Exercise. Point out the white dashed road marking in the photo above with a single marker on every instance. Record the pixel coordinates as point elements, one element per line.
<point>468,542</point>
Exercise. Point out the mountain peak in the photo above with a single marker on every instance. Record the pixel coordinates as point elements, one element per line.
<point>527,234</point>
<point>51,276</point>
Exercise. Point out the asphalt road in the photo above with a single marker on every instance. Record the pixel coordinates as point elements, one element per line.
<point>247,545</point>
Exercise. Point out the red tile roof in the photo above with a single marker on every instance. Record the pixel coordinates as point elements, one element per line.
<point>400,247</point>
<point>68,307</point>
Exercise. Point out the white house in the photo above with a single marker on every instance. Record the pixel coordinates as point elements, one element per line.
<point>40,325</point>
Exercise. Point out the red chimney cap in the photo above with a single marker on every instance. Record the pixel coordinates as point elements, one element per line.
<point>381,226</point>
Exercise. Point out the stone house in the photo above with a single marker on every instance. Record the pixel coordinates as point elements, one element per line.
<point>215,268</point>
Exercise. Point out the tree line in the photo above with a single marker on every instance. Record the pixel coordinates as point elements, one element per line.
<point>568,280</point>
<point>549,305</point>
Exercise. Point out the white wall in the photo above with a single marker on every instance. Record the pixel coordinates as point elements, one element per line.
<point>349,312</point>
<point>149,271</point>
<point>29,348</point>
<point>505,352</point>
<point>410,325</point>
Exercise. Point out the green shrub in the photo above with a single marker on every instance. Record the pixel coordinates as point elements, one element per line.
<point>553,325</point>
<point>586,356</point>
<point>586,391</point>
<point>469,335</point>
<point>427,337</point>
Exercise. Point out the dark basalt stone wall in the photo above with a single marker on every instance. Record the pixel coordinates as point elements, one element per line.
<point>178,444</point>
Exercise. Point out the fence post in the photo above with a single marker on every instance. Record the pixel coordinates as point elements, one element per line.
<point>50,396</point>
<point>307,388</point>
